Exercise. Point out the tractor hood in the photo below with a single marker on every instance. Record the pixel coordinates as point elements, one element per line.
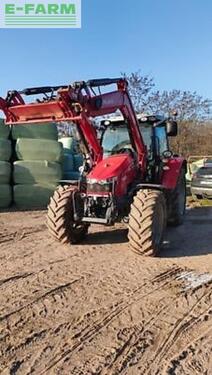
<point>112,166</point>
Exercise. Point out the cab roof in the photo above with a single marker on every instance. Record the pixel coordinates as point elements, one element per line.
<point>142,117</point>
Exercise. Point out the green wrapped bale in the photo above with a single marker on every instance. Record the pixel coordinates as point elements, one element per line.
<point>68,162</point>
<point>39,149</point>
<point>4,130</point>
<point>5,149</point>
<point>35,131</point>
<point>33,196</point>
<point>69,145</point>
<point>5,172</point>
<point>78,161</point>
<point>5,196</point>
<point>35,172</point>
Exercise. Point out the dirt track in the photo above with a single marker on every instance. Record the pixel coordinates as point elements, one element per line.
<point>98,308</point>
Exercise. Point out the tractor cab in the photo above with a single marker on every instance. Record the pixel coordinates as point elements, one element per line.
<point>116,136</point>
<point>155,131</point>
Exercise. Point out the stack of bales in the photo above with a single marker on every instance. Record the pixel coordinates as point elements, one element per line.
<point>5,166</point>
<point>38,170</point>
<point>72,159</point>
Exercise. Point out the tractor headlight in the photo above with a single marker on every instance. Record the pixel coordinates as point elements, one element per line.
<point>100,186</point>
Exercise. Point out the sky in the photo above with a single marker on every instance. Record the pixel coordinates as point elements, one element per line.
<point>170,40</point>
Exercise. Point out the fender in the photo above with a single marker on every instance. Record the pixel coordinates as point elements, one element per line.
<point>171,174</point>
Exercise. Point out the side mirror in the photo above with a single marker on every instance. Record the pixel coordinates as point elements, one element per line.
<point>171,128</point>
<point>167,154</point>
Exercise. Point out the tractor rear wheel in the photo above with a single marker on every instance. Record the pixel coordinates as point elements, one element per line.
<point>147,222</point>
<point>178,201</point>
<point>60,216</point>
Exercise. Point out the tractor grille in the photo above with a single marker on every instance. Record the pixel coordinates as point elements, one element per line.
<point>99,188</point>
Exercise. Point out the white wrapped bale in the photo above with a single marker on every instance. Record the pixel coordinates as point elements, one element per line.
<point>69,145</point>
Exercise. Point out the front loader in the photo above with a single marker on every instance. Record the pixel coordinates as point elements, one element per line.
<point>128,175</point>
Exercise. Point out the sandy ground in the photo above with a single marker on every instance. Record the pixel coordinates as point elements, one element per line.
<point>99,308</point>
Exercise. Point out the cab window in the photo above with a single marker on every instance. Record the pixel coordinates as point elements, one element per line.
<point>161,138</point>
<point>146,132</point>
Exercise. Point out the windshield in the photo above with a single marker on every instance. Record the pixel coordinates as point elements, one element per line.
<point>117,137</point>
<point>114,139</point>
<point>204,171</point>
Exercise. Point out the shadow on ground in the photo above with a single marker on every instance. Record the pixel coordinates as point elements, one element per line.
<point>193,238</point>
<point>113,236</point>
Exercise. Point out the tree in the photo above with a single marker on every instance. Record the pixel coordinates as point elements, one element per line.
<point>193,112</point>
<point>189,105</point>
<point>192,139</point>
<point>140,89</point>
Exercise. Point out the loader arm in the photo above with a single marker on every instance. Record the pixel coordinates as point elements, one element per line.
<point>76,103</point>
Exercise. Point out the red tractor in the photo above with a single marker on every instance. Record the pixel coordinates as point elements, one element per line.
<point>129,174</point>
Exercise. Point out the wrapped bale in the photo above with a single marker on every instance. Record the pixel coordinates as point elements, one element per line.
<point>78,161</point>
<point>69,145</point>
<point>68,163</point>
<point>39,149</point>
<point>72,159</point>
<point>71,175</point>
<point>5,167</point>
<point>33,196</point>
<point>5,196</point>
<point>5,172</point>
<point>37,171</point>
<point>71,164</point>
<point>4,130</point>
<point>5,149</point>
<point>193,168</point>
<point>35,131</point>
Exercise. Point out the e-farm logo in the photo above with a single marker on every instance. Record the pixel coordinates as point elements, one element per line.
<point>40,14</point>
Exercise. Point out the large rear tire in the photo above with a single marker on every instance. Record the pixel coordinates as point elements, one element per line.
<point>147,222</point>
<point>60,216</point>
<point>177,201</point>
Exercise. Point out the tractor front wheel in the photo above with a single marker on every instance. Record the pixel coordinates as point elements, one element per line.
<point>147,222</point>
<point>60,216</point>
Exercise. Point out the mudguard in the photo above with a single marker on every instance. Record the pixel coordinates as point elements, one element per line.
<point>172,171</point>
